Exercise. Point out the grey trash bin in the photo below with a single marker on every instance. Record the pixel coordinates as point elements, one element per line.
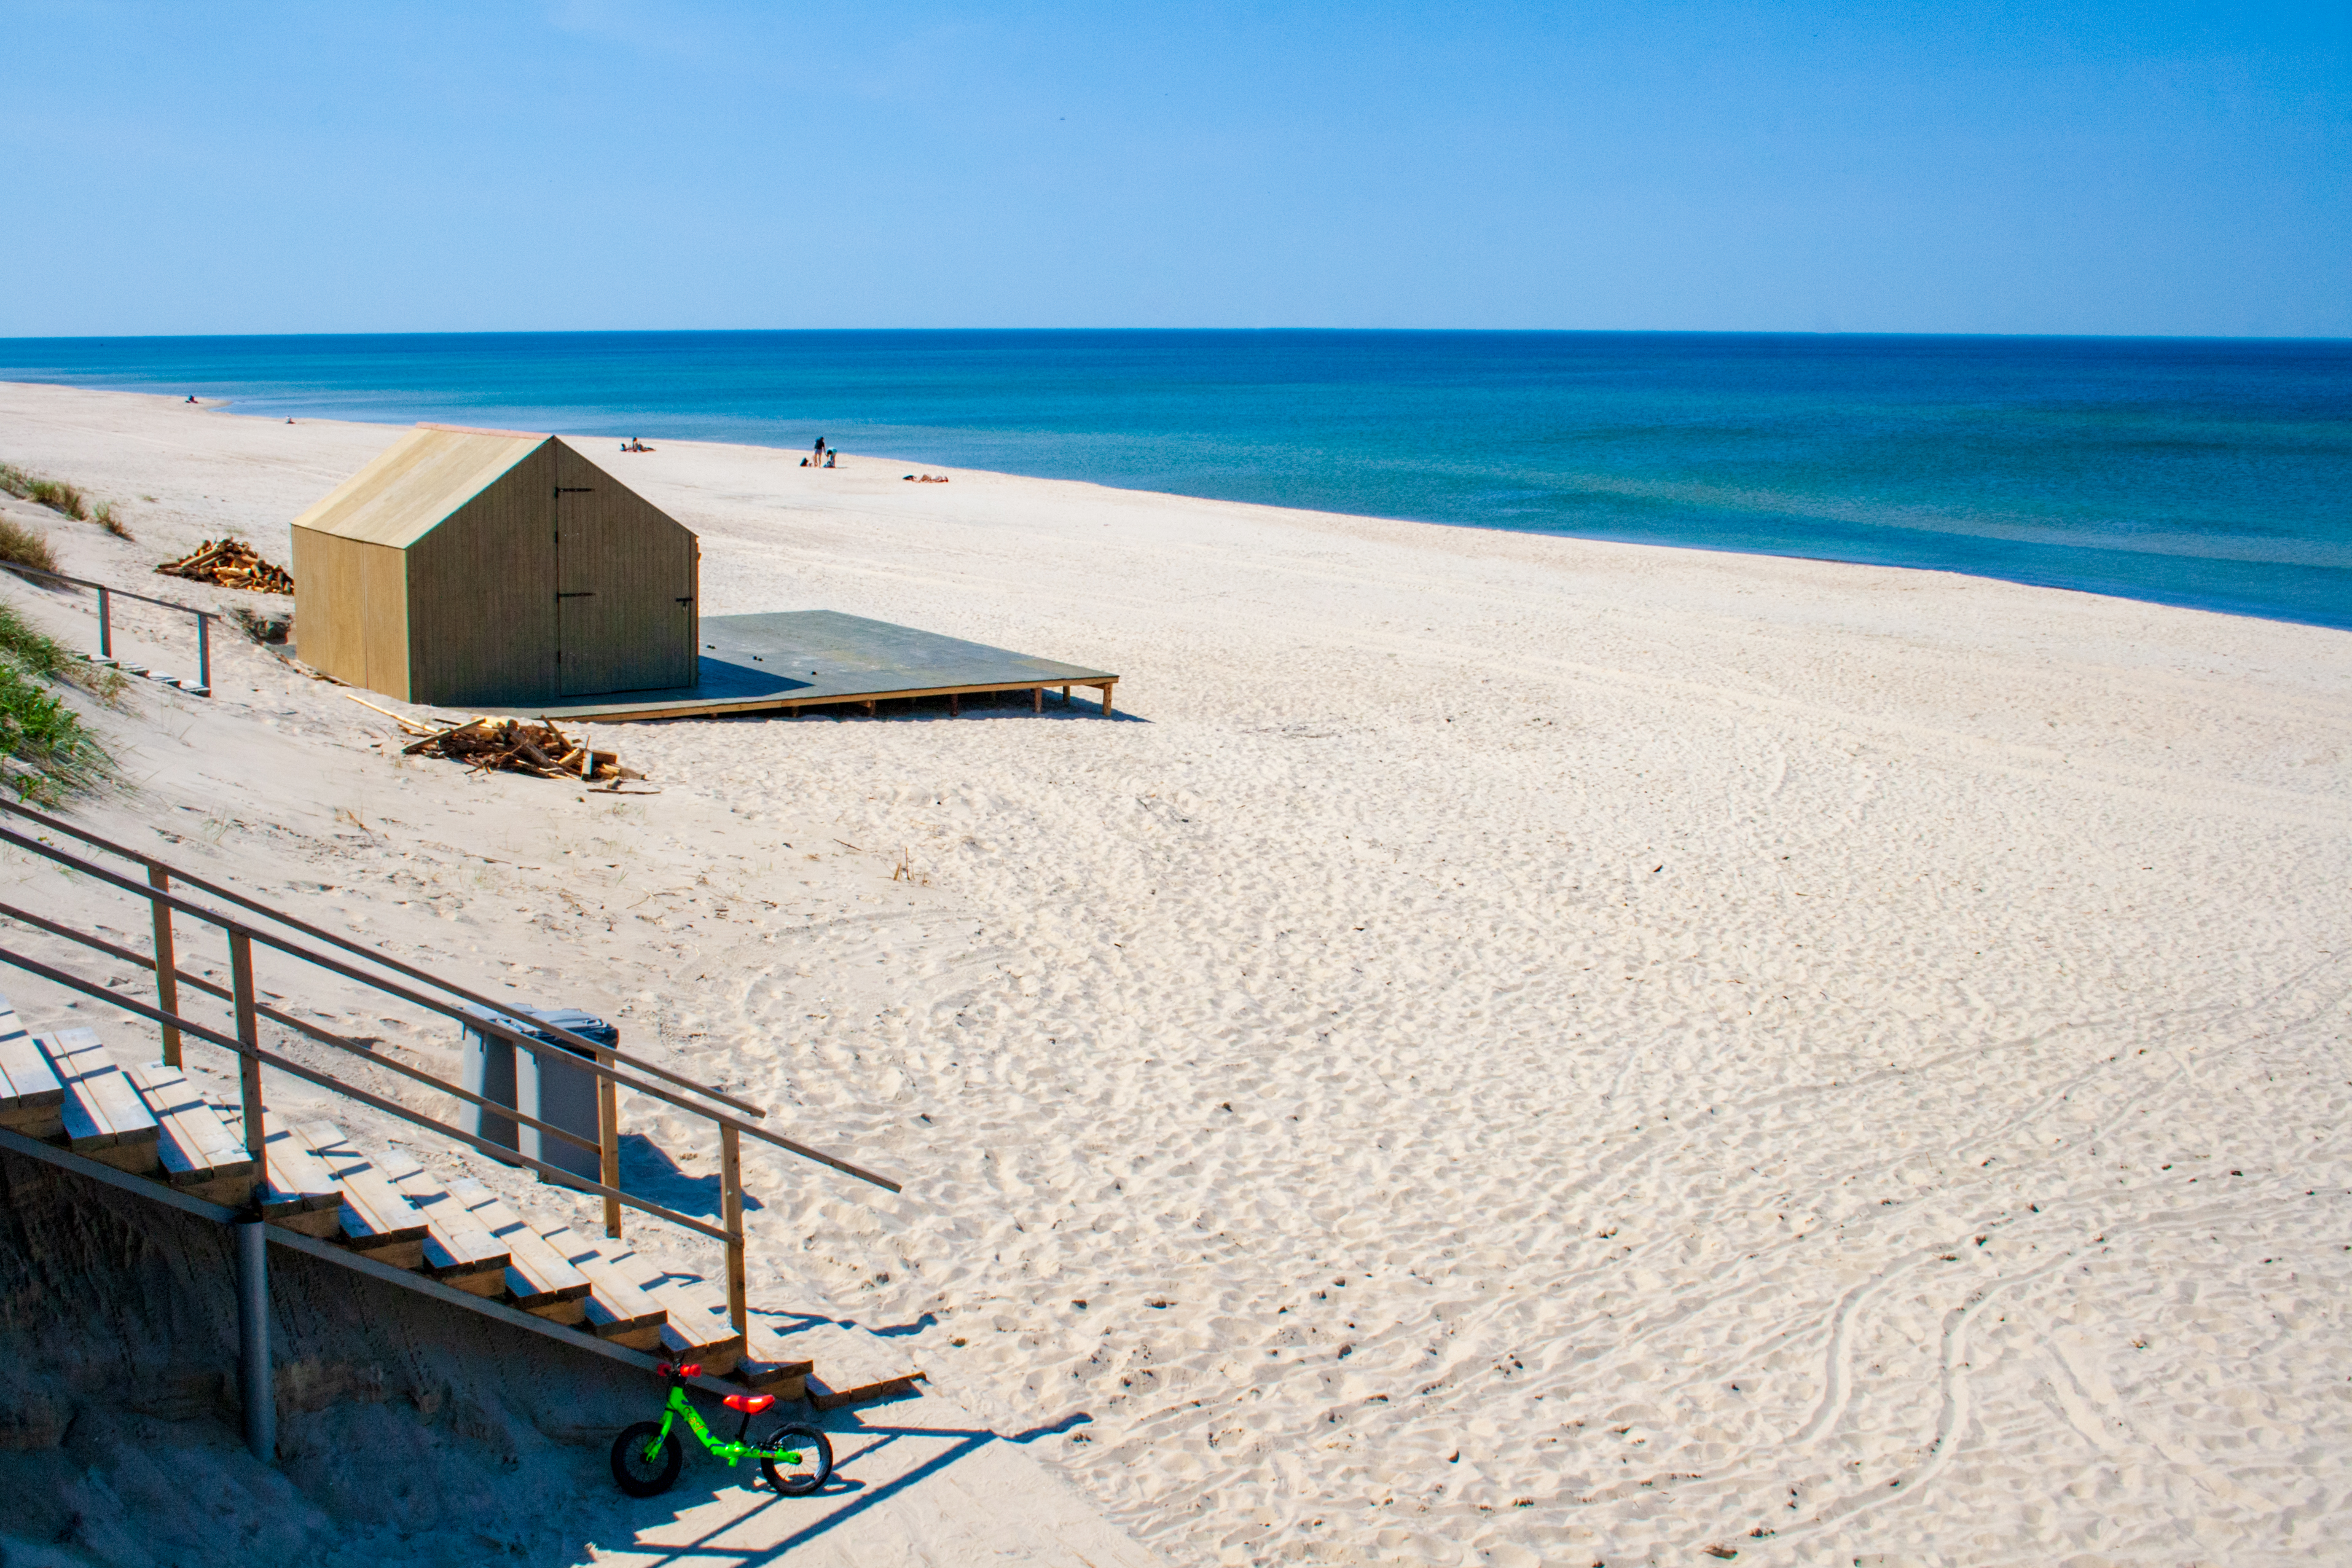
<point>546,1087</point>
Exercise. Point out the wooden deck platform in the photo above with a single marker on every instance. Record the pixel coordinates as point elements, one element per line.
<point>806,658</point>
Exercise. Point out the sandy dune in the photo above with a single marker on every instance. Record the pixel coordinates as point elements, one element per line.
<point>1510,1050</point>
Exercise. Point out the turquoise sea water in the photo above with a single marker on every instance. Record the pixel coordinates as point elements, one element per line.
<point>2216,474</point>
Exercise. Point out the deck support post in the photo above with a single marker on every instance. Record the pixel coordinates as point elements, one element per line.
<point>1106,691</point>
<point>248,1034</point>
<point>255,1385</point>
<point>167,973</point>
<point>1065,696</point>
<point>955,706</point>
<point>730,1220</point>
<point>1036,699</point>
<point>608,1145</point>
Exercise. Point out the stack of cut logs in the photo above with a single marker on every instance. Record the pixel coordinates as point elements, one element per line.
<point>230,564</point>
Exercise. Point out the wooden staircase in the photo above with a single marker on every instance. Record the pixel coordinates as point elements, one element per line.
<point>65,1087</point>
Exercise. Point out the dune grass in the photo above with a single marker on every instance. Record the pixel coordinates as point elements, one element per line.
<point>25,547</point>
<point>55,494</point>
<point>103,515</point>
<point>50,752</point>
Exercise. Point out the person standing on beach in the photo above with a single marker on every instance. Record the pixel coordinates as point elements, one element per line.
<point>818,461</point>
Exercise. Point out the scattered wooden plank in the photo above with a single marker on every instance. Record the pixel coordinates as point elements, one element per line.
<point>514,745</point>
<point>230,564</point>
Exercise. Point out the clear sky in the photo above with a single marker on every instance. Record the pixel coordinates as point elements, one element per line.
<point>1948,165</point>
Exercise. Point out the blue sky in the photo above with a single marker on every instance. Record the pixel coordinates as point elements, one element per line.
<point>1952,166</point>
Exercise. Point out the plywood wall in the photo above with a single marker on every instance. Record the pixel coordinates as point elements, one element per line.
<point>480,594</point>
<point>627,581</point>
<point>350,617</point>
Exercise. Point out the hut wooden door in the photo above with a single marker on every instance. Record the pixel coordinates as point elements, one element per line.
<point>625,587</point>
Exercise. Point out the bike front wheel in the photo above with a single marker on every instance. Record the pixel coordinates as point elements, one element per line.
<point>796,1459</point>
<point>644,1462</point>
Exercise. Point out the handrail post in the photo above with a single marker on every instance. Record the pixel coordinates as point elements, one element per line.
<point>608,1145</point>
<point>105,624</point>
<point>204,650</point>
<point>248,1031</point>
<point>167,973</point>
<point>730,1220</point>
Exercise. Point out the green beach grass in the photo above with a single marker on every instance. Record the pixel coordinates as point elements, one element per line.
<point>55,494</point>
<point>53,751</point>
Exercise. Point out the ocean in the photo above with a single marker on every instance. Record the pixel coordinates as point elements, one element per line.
<point>2210,473</point>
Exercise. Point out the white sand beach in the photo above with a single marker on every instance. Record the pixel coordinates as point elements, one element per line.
<point>1507,1050</point>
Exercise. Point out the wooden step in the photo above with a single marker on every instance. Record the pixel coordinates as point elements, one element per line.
<point>32,1100</point>
<point>377,1220</point>
<point>848,1364</point>
<point>296,1190</point>
<point>784,1379</point>
<point>201,1155</point>
<point>699,1329</point>
<point>104,1117</point>
<point>618,1310</point>
<point>538,1279</point>
<point>457,1251</point>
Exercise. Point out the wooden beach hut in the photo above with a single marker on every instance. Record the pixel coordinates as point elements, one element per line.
<point>476,567</point>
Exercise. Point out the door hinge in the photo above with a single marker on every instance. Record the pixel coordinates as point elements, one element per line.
<point>575,489</point>
<point>585,593</point>
<point>685,600</point>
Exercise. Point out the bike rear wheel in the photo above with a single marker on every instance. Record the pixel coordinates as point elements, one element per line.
<point>639,1467</point>
<point>796,1459</point>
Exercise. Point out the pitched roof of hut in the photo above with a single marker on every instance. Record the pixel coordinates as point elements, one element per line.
<point>416,482</point>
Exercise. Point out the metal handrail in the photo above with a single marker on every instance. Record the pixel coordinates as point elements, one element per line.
<point>248,1012</point>
<point>106,595</point>
<point>538,1048</point>
<point>381,959</point>
<point>391,1107</point>
<point>324,1036</point>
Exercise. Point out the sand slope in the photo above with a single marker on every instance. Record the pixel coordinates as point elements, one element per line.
<point>1513,1050</point>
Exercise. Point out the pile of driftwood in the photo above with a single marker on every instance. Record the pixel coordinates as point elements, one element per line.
<point>230,564</point>
<point>511,745</point>
<point>515,746</point>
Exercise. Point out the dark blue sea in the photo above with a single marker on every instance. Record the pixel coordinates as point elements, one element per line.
<point>2211,473</point>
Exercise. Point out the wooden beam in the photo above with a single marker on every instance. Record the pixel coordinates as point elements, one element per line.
<point>731,1216</point>
<point>793,705</point>
<point>167,972</point>
<point>608,1145</point>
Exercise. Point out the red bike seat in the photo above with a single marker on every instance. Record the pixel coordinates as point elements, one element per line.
<point>749,1404</point>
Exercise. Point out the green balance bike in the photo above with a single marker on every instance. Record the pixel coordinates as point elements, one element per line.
<point>795,1458</point>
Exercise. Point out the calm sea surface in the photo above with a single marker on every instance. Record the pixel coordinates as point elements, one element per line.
<point>2216,474</point>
